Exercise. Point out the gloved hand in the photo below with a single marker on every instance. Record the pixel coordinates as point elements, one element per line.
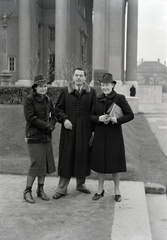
<point>68,124</point>
<point>49,128</point>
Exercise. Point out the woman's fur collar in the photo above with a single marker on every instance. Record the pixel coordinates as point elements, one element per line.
<point>71,87</point>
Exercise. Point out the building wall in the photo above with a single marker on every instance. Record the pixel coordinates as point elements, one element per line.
<point>9,7</point>
<point>152,73</point>
<point>42,17</point>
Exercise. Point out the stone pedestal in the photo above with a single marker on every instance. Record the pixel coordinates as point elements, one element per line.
<point>59,83</point>
<point>127,85</point>
<point>134,104</point>
<point>23,83</point>
<point>118,86</point>
<point>5,78</point>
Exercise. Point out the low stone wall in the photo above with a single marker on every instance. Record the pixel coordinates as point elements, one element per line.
<point>150,93</point>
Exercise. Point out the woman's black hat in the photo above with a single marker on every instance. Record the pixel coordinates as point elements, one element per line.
<point>107,78</point>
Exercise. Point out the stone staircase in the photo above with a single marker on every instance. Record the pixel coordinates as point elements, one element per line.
<point>142,214</point>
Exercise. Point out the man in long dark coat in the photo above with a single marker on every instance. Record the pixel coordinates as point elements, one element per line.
<point>73,109</point>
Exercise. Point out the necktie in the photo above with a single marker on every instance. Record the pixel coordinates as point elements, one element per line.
<point>79,89</point>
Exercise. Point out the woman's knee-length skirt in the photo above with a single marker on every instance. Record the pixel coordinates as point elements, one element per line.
<point>42,159</point>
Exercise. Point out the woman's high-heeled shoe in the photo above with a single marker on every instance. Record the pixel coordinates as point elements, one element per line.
<point>118,198</point>
<point>97,196</point>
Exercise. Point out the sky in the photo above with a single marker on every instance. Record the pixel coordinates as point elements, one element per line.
<point>152,30</point>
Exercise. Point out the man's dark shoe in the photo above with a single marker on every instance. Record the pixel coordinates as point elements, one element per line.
<point>84,190</point>
<point>58,195</point>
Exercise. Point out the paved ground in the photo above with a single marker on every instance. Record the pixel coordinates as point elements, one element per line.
<point>74,217</point>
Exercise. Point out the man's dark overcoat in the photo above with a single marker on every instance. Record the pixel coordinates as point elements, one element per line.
<point>74,159</point>
<point>108,153</point>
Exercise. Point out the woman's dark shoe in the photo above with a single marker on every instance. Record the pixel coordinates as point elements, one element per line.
<point>28,196</point>
<point>97,196</point>
<point>42,194</point>
<point>118,198</point>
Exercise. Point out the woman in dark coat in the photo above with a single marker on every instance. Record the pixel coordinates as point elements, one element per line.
<point>40,117</point>
<point>108,153</point>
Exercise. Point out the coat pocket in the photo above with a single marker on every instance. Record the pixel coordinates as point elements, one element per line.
<point>32,132</point>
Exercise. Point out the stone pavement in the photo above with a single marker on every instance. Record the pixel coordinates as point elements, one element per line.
<point>77,217</point>
<point>73,217</point>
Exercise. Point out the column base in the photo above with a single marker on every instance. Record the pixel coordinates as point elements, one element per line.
<point>59,83</point>
<point>23,83</point>
<point>92,83</point>
<point>6,78</point>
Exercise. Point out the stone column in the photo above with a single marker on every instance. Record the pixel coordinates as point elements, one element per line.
<point>131,52</point>
<point>61,38</point>
<point>116,41</point>
<point>24,43</point>
<point>99,39</point>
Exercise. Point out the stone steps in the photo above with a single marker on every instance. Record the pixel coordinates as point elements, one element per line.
<point>142,213</point>
<point>131,219</point>
<point>157,209</point>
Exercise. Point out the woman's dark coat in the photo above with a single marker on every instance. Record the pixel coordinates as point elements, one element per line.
<point>108,153</point>
<point>39,112</point>
<point>74,144</point>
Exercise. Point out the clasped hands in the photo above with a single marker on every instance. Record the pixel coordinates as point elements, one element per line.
<point>106,118</point>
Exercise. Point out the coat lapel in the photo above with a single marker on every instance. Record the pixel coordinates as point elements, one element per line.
<point>72,88</point>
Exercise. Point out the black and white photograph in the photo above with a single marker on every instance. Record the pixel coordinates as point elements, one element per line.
<point>83,119</point>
